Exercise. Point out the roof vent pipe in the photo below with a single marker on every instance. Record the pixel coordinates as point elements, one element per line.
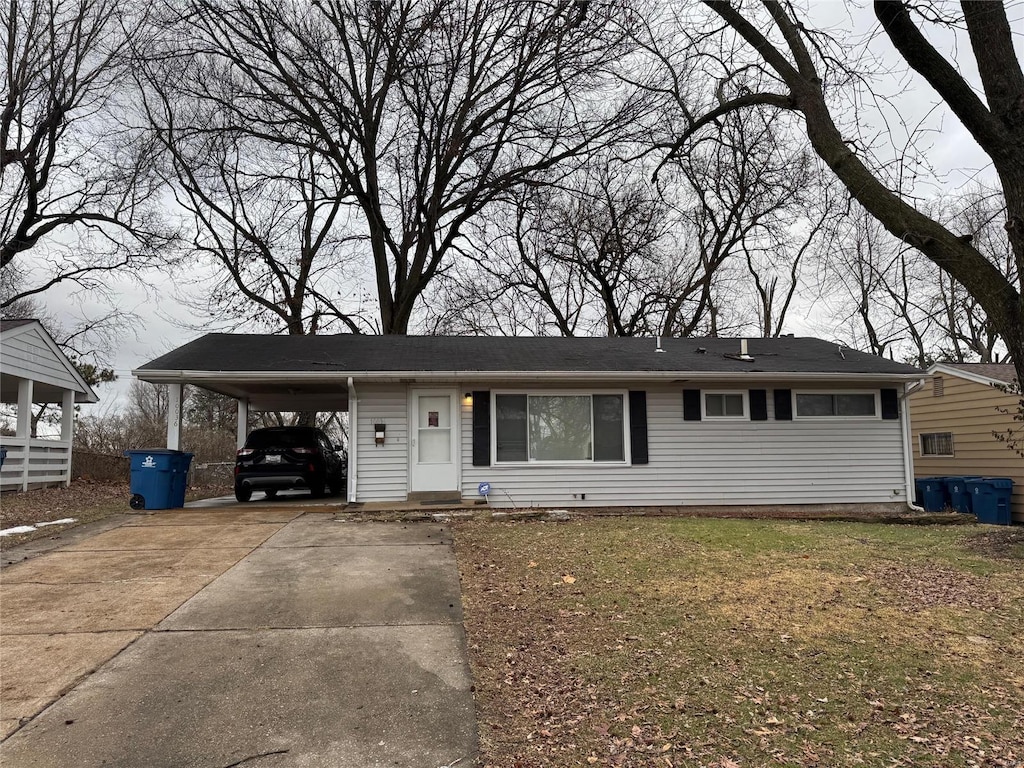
<point>743,351</point>
<point>658,348</point>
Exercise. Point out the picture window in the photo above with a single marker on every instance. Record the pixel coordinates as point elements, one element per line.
<point>560,427</point>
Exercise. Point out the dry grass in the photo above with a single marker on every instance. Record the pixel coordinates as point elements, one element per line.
<point>83,500</point>
<point>744,643</point>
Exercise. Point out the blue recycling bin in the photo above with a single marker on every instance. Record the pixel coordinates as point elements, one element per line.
<point>158,478</point>
<point>933,494</point>
<point>959,494</point>
<point>3,455</point>
<point>990,499</point>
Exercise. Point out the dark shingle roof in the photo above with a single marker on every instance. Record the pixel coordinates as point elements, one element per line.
<point>1004,372</point>
<point>6,325</point>
<point>438,354</point>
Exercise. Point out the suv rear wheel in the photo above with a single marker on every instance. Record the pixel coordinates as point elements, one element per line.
<point>243,492</point>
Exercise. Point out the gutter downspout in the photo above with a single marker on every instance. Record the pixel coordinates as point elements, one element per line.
<point>353,441</point>
<point>908,453</point>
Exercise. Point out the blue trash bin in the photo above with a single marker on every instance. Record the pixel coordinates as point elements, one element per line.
<point>3,455</point>
<point>990,499</point>
<point>959,495</point>
<point>934,496</point>
<point>158,478</point>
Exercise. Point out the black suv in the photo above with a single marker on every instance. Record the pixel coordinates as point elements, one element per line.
<point>289,457</point>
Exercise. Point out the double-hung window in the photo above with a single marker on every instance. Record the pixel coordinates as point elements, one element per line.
<point>560,427</point>
<point>821,405</point>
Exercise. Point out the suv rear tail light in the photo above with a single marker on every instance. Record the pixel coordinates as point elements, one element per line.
<point>246,451</point>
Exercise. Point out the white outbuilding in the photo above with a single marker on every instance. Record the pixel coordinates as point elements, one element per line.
<point>34,371</point>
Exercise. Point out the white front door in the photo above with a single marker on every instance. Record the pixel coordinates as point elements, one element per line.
<point>433,435</point>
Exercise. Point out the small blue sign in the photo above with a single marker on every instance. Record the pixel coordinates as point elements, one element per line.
<point>483,489</point>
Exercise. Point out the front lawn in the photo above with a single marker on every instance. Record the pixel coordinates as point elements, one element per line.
<point>695,642</point>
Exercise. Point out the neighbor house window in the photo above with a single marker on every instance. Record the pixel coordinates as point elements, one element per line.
<point>818,405</point>
<point>937,444</point>
<point>559,427</point>
<point>725,405</point>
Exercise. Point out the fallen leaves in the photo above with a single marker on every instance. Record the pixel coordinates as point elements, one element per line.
<point>919,586</point>
<point>658,657</point>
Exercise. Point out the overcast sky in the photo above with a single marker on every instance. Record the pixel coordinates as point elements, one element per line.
<point>163,323</point>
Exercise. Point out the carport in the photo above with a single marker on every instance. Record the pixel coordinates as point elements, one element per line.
<point>256,391</point>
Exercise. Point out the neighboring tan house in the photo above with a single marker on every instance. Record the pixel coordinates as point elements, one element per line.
<point>33,371</point>
<point>953,417</point>
<point>579,421</point>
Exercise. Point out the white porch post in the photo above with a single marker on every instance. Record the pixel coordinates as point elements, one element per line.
<point>174,400</point>
<point>24,426</point>
<point>243,421</point>
<point>67,427</point>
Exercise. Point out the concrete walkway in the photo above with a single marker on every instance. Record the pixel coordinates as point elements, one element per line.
<point>255,636</point>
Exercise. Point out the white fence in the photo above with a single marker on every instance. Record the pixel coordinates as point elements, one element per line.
<point>34,462</point>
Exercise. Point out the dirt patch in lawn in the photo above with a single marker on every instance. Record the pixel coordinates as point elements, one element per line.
<point>1003,542</point>
<point>741,643</point>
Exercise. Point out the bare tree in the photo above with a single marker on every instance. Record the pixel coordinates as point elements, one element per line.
<point>969,335</point>
<point>604,252</point>
<point>892,300</point>
<point>789,59</point>
<point>427,111</point>
<point>77,197</point>
<point>268,219</point>
<point>879,292</point>
<point>591,256</point>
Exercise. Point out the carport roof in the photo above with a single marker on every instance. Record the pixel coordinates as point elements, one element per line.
<point>363,356</point>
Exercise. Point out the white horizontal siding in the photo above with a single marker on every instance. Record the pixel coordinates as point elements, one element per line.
<point>705,462</point>
<point>382,470</point>
<point>28,356</point>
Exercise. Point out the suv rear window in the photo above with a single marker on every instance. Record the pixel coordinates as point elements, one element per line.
<point>291,438</point>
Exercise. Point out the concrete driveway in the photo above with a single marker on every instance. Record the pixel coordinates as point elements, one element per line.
<point>254,636</point>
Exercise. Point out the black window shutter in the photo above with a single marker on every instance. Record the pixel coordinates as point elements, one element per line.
<point>638,426</point>
<point>783,404</point>
<point>482,428</point>
<point>691,405</point>
<point>890,404</point>
<point>759,405</point>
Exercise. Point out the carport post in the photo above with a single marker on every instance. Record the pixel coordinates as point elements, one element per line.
<point>243,421</point>
<point>174,399</point>
<point>26,388</point>
<point>67,426</point>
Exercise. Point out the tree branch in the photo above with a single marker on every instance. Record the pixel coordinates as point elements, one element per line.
<point>734,105</point>
<point>940,74</point>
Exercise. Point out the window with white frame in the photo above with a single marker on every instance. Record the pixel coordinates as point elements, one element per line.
<point>825,405</point>
<point>724,405</point>
<point>559,427</point>
<point>936,443</point>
